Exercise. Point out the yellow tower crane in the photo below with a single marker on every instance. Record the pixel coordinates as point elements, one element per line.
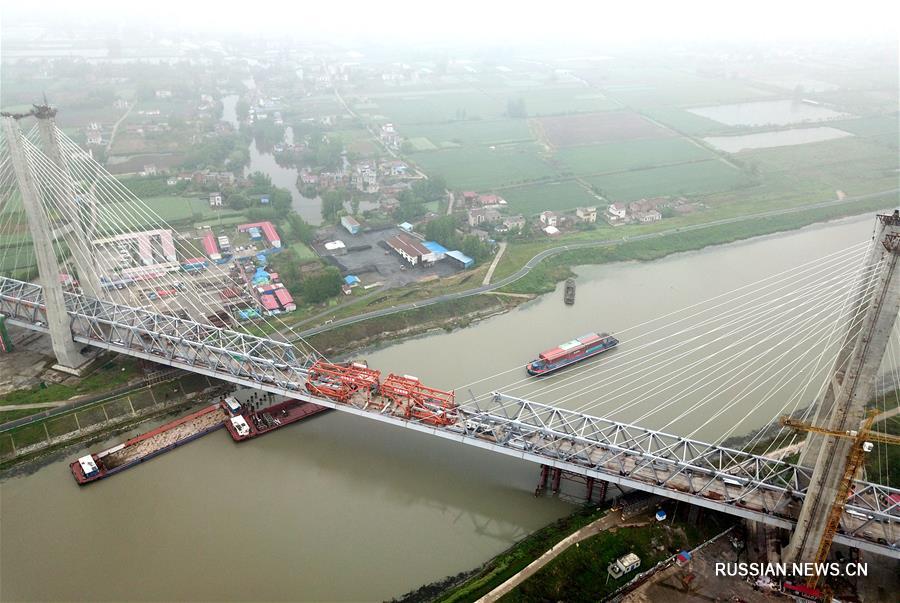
<point>862,443</point>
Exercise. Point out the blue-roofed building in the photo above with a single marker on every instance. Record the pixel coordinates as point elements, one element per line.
<point>264,199</point>
<point>461,258</point>
<point>351,280</point>
<point>437,249</point>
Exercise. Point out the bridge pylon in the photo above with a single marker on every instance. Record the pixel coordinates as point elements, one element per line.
<point>64,347</point>
<point>851,386</point>
<point>82,222</point>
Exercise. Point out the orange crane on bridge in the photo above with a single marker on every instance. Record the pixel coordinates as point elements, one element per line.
<point>862,443</point>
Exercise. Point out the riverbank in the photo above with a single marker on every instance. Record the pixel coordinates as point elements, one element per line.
<point>544,271</point>
<point>574,553</point>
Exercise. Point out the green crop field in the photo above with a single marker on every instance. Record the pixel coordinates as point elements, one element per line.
<point>483,168</point>
<point>884,129</point>
<point>629,155</point>
<point>685,90</point>
<point>471,132</point>
<point>688,179</point>
<point>850,164</point>
<point>557,101</point>
<point>176,209</point>
<point>684,121</point>
<point>414,108</point>
<point>555,196</point>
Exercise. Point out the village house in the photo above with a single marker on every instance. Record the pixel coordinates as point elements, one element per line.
<point>587,214</point>
<point>514,222</point>
<point>308,178</point>
<point>171,181</point>
<point>94,137</point>
<point>469,197</point>
<point>394,168</point>
<point>215,199</point>
<point>365,178</point>
<point>617,211</point>
<point>646,217</point>
<point>491,200</point>
<point>390,136</point>
<point>483,215</point>
<point>549,218</point>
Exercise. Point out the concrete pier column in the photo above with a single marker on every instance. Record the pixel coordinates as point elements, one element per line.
<point>65,349</point>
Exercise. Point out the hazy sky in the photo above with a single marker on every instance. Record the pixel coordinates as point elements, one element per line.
<point>504,21</point>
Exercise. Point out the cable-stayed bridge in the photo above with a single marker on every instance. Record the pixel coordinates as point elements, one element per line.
<point>813,333</point>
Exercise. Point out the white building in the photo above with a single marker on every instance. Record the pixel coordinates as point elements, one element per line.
<point>549,218</point>
<point>215,199</point>
<point>623,565</point>
<point>618,211</point>
<point>586,214</point>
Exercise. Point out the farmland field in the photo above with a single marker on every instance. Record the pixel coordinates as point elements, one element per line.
<point>683,121</point>
<point>612,126</point>
<point>472,132</point>
<point>688,179</point>
<point>482,168</point>
<point>557,101</point>
<point>850,164</point>
<point>629,155</point>
<point>884,129</point>
<point>439,108</point>
<point>557,196</point>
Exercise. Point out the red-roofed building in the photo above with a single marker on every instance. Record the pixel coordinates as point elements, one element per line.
<point>285,300</point>
<point>211,246</point>
<point>269,302</point>
<point>267,229</point>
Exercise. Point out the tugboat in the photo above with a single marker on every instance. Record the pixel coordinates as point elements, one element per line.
<point>570,291</point>
<point>571,352</point>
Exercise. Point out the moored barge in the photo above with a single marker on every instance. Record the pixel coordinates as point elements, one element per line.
<point>571,352</point>
<point>245,423</point>
<point>144,447</point>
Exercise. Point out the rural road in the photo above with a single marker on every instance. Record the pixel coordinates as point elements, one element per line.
<point>609,520</point>
<point>547,253</point>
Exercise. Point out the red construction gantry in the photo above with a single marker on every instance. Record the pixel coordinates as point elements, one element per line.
<point>340,381</point>
<point>417,401</point>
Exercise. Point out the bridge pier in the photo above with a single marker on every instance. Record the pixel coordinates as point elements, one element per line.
<point>66,350</point>
<point>856,379</point>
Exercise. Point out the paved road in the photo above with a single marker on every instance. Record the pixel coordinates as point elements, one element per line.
<point>537,259</point>
<point>490,272</point>
<point>609,520</point>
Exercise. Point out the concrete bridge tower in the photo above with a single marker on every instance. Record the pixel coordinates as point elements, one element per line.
<point>852,385</point>
<point>66,350</point>
<point>81,223</point>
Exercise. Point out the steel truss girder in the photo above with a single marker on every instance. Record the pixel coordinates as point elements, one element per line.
<point>719,478</point>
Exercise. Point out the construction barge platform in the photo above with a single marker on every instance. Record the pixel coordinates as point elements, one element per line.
<point>245,424</point>
<point>144,447</point>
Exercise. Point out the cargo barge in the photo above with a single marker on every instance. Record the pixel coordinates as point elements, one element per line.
<point>571,352</point>
<point>244,424</point>
<point>144,447</point>
<point>569,296</point>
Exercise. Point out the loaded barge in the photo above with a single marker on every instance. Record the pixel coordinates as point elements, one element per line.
<point>571,352</point>
<point>92,467</point>
<point>245,423</point>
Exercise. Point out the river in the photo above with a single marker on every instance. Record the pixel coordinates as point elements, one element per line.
<point>340,507</point>
<point>283,177</point>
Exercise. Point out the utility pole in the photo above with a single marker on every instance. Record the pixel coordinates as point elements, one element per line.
<point>82,229</point>
<point>853,383</point>
<point>65,348</point>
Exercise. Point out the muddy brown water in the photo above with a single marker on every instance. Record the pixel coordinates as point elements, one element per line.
<point>340,508</point>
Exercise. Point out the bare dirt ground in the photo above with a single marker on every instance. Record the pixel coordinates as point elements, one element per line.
<point>32,355</point>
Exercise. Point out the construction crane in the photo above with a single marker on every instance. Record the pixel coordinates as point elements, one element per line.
<point>862,443</point>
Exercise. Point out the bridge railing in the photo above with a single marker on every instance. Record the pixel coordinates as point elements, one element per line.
<point>730,480</point>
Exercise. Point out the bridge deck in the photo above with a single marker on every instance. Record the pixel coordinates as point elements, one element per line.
<point>758,488</point>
